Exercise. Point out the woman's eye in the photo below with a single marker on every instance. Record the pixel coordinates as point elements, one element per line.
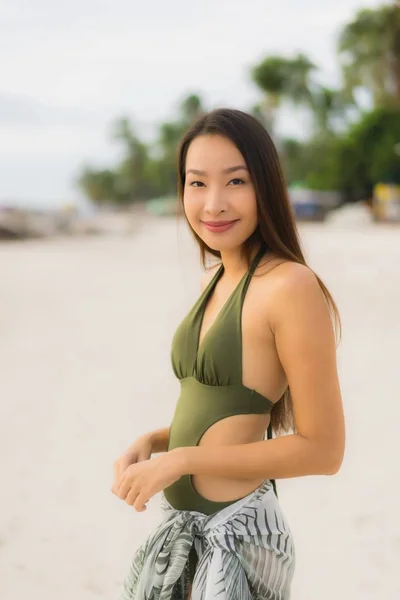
<point>196,184</point>
<point>235,181</point>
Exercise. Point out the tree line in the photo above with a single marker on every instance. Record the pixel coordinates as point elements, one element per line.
<point>354,140</point>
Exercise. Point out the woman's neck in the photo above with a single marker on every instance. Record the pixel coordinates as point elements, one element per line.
<point>235,263</point>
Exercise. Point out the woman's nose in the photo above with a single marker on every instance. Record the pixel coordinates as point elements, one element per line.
<point>214,203</point>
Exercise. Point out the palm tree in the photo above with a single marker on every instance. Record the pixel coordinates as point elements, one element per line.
<point>369,48</point>
<point>99,186</point>
<point>281,79</point>
<point>191,109</point>
<point>258,111</point>
<point>132,181</point>
<point>330,109</point>
<point>170,135</point>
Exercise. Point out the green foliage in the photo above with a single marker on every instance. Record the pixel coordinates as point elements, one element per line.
<point>287,78</point>
<point>367,153</point>
<point>293,159</point>
<point>99,186</point>
<point>352,163</point>
<point>369,50</point>
<point>347,150</point>
<point>282,79</point>
<point>314,162</point>
<point>145,170</point>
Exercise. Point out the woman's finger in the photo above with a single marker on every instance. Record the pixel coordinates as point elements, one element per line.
<point>140,502</point>
<point>131,497</point>
<point>143,456</point>
<point>124,487</point>
<point>120,467</point>
<point>117,473</point>
<point>125,461</point>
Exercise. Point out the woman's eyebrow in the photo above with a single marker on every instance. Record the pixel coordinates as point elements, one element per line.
<point>228,170</point>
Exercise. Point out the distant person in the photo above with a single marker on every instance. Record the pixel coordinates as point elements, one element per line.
<point>255,354</point>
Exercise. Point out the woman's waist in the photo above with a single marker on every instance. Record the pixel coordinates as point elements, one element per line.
<point>185,495</point>
<point>202,408</point>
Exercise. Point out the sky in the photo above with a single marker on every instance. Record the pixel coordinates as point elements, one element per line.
<point>69,70</point>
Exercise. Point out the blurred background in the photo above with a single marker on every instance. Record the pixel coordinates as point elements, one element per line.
<point>97,271</point>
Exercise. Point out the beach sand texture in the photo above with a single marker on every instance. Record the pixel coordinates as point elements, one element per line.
<point>85,332</point>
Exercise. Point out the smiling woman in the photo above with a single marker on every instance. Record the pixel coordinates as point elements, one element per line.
<point>255,354</point>
<point>211,194</point>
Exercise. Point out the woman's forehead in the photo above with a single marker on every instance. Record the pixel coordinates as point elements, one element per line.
<point>214,153</point>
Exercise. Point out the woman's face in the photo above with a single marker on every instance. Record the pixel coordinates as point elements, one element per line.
<point>219,197</point>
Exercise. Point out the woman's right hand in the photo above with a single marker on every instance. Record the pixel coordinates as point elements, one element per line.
<point>141,449</point>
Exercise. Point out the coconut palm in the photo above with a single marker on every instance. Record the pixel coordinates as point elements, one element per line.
<point>331,108</point>
<point>191,109</point>
<point>282,79</point>
<point>369,50</point>
<point>131,174</point>
<point>99,186</point>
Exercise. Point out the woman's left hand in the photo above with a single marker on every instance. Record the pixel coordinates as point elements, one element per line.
<point>142,480</point>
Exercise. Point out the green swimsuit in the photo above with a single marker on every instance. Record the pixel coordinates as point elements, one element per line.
<point>211,382</point>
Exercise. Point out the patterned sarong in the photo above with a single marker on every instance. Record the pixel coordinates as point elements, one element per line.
<point>245,552</point>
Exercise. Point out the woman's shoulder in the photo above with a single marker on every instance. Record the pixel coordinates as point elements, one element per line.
<point>283,282</point>
<point>286,275</point>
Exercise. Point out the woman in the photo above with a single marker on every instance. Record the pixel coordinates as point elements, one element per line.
<point>256,352</point>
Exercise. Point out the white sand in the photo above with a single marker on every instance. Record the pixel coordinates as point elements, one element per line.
<point>85,329</point>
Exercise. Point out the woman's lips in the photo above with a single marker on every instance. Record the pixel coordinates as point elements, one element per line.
<point>219,226</point>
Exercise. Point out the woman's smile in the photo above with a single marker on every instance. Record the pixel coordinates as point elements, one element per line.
<point>219,226</point>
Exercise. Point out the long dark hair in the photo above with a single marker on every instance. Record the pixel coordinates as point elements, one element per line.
<point>276,223</point>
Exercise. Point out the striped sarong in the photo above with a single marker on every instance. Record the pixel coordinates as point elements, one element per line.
<point>245,552</point>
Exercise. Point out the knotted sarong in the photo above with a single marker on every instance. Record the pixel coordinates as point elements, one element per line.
<point>245,552</point>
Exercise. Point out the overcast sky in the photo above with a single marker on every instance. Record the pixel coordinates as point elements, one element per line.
<point>68,70</point>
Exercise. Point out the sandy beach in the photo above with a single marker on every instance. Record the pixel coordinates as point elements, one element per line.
<point>85,332</point>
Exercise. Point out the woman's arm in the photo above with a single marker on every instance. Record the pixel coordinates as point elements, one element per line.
<point>300,321</point>
<point>159,439</point>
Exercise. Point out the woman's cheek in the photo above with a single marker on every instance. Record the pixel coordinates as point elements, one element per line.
<point>192,208</point>
<point>190,214</point>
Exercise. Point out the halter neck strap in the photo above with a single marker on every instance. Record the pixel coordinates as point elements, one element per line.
<point>257,259</point>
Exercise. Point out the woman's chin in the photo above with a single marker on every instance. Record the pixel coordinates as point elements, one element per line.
<point>225,241</point>
<point>219,244</point>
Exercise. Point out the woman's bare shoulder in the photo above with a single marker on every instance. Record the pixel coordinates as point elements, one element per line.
<point>286,286</point>
<point>285,274</point>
